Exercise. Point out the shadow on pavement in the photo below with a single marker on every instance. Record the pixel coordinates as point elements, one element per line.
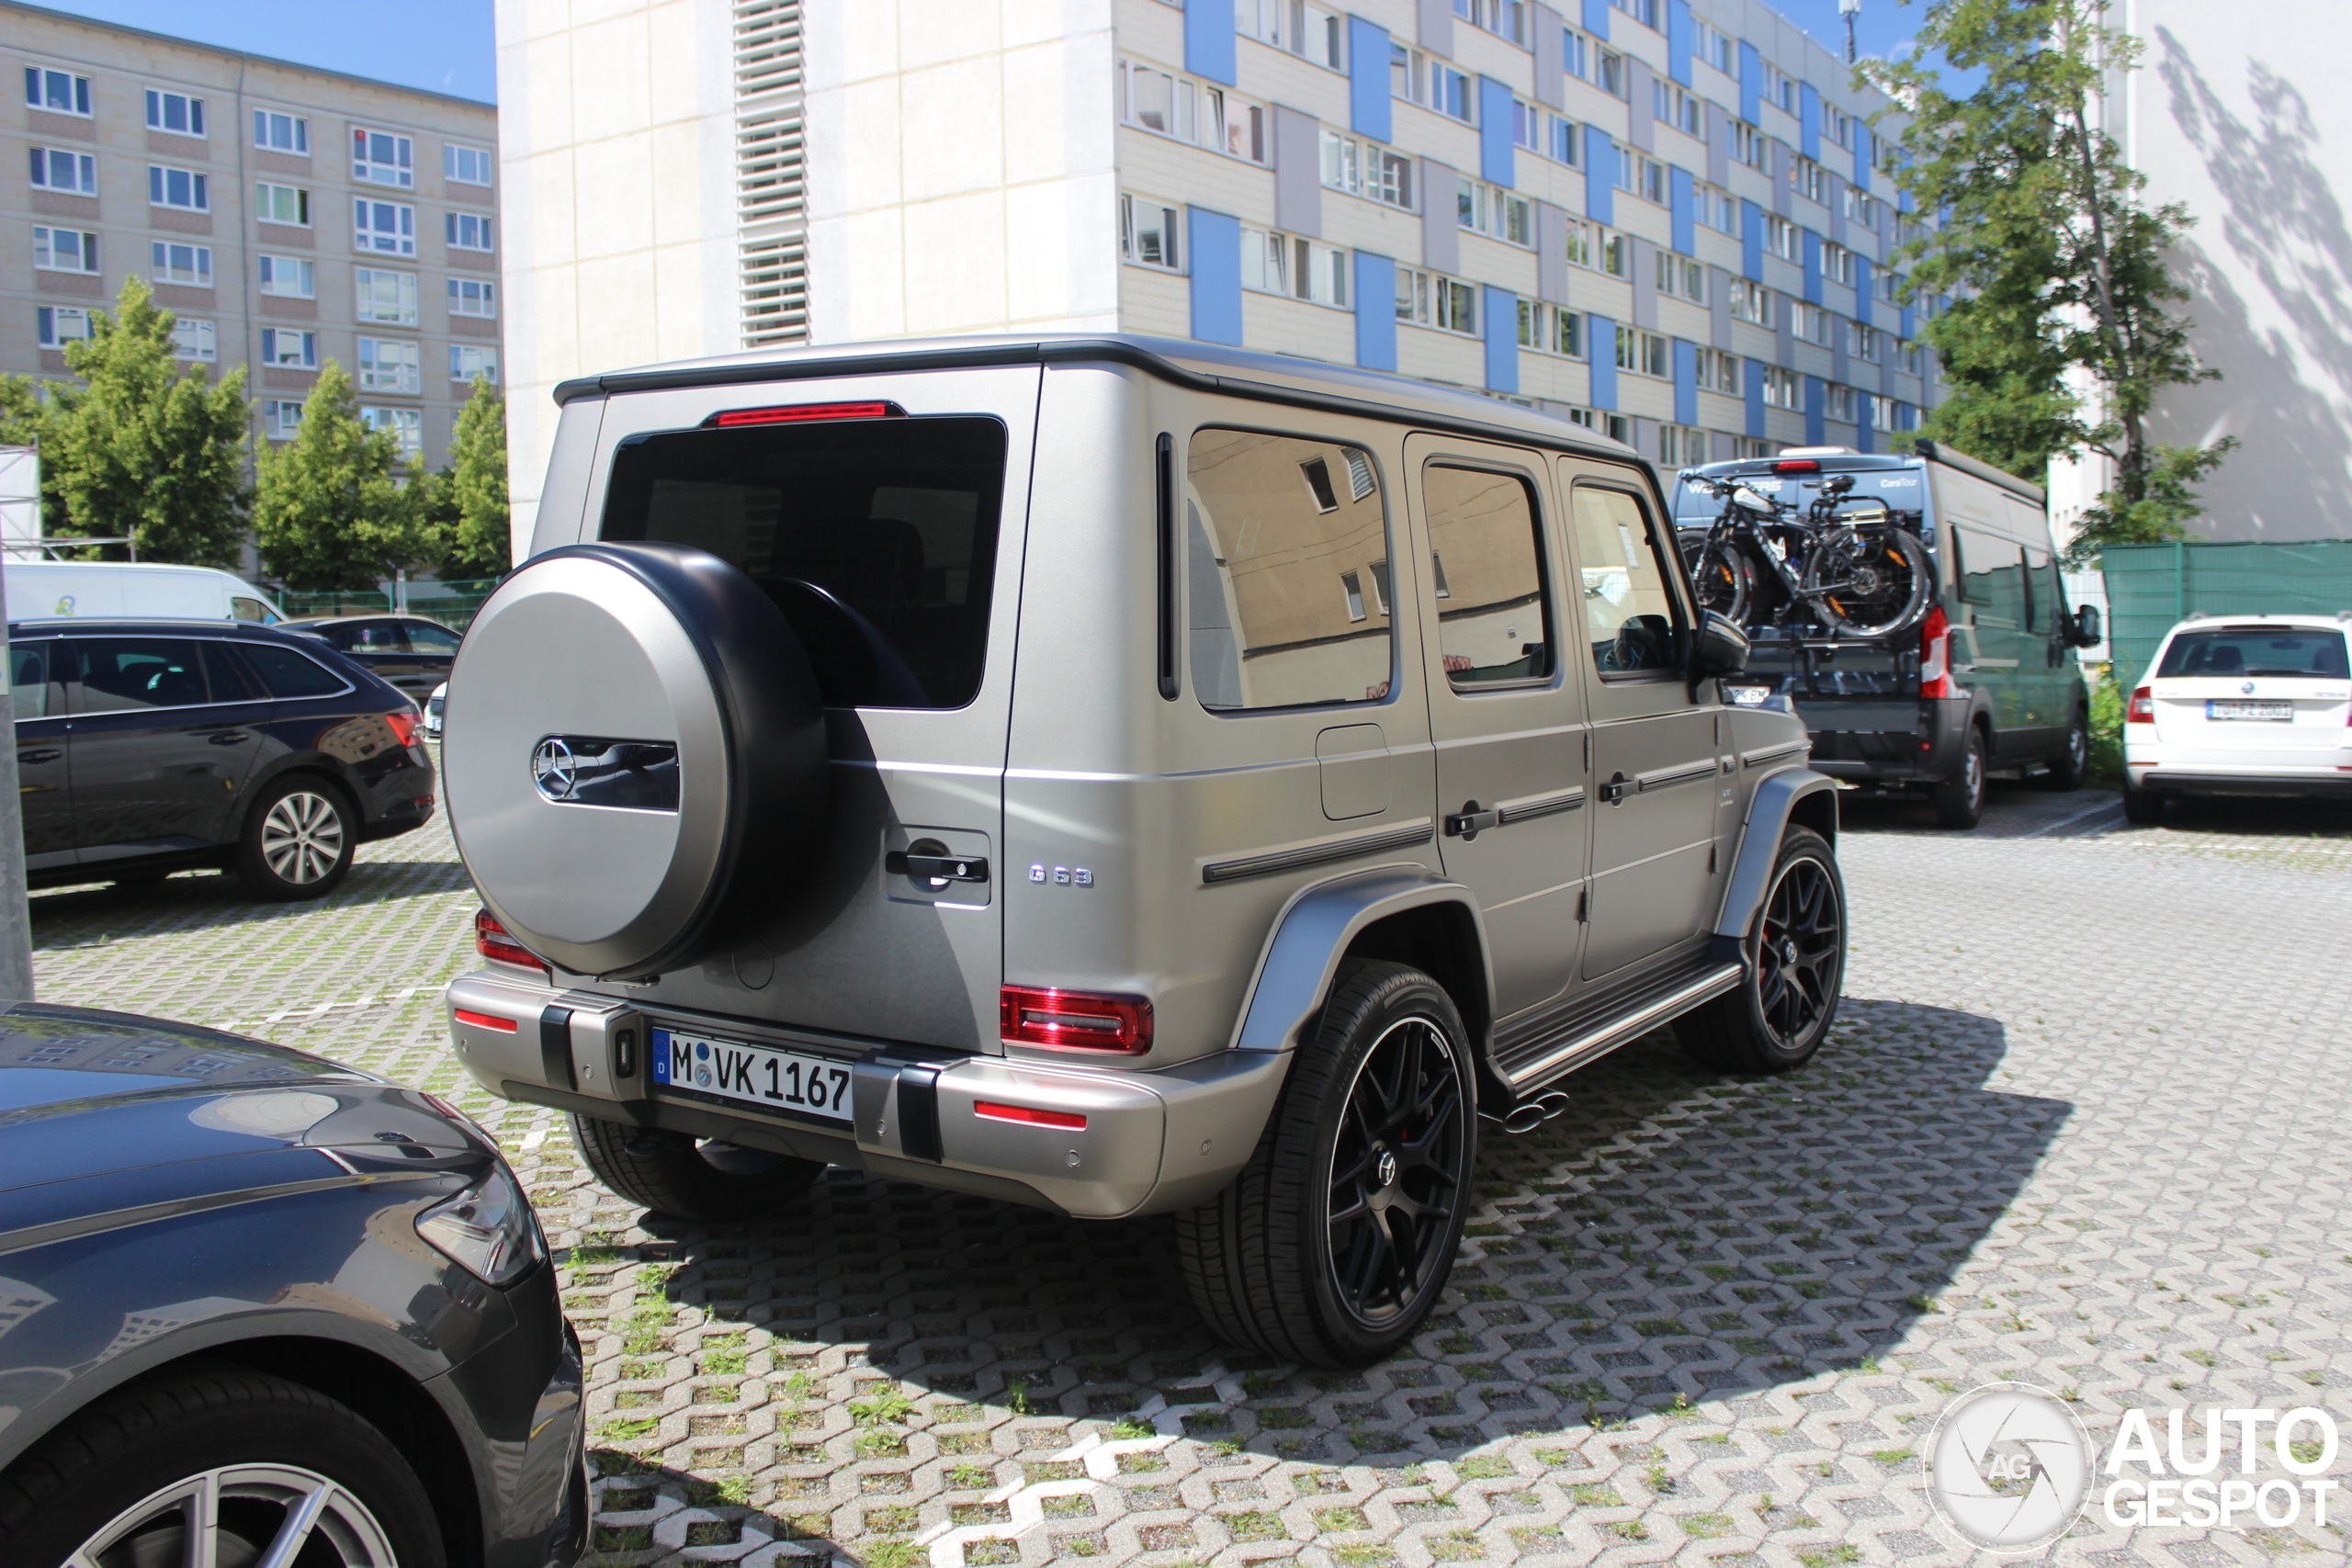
<point>67,916</point>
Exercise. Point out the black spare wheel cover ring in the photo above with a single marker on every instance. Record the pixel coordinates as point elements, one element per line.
<point>634,756</point>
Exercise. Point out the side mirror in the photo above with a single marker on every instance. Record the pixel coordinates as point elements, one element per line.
<point>2087,626</point>
<point>1720,649</point>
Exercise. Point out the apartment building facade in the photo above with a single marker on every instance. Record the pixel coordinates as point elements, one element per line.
<point>1668,219</point>
<point>285,216</point>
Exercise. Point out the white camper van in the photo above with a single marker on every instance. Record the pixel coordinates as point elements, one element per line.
<point>64,590</point>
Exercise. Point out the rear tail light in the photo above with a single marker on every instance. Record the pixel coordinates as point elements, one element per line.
<point>1083,1021</point>
<point>801,414</point>
<point>1935,656</point>
<point>491,941</point>
<point>404,724</point>
<point>2144,707</point>
<point>1029,1115</point>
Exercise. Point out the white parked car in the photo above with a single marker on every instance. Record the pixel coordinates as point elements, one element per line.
<point>2242,704</point>
<point>433,707</point>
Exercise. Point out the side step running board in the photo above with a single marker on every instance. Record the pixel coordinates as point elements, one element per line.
<point>1604,1037</point>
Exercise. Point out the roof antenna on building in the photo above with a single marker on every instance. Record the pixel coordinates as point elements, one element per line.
<point>1849,9</point>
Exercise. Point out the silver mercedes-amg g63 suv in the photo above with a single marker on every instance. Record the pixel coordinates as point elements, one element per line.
<point>1118,775</point>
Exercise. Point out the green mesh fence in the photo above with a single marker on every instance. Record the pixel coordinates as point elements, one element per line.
<point>340,602</point>
<point>2150,587</point>
<point>451,604</point>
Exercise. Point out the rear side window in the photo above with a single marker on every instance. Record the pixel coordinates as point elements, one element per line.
<point>424,636</point>
<point>1992,573</point>
<point>1493,624</point>
<point>123,674</point>
<point>877,539</point>
<point>2256,650</point>
<point>229,679</point>
<point>30,687</point>
<point>288,673</point>
<point>1288,563</point>
<point>374,636</point>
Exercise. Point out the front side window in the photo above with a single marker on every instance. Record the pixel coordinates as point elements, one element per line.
<point>388,297</point>
<point>174,112</point>
<point>1282,538</point>
<point>282,204</point>
<point>293,277</point>
<point>188,265</point>
<point>1628,609</point>
<point>125,674</point>
<point>878,539</point>
<point>75,173</point>
<point>1496,624</point>
<point>275,132</point>
<point>57,92</point>
<point>64,249</point>
<point>388,227</point>
<point>470,297</point>
<point>383,157</point>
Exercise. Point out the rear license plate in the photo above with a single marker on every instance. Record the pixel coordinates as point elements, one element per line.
<point>2259,712</point>
<point>759,1075</point>
<point>1749,696</point>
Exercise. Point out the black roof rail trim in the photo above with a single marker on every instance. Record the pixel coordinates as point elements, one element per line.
<point>1937,452</point>
<point>1072,352</point>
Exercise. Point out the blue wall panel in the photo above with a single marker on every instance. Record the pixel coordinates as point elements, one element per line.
<point>1863,283</point>
<point>1862,156</point>
<point>1686,382</point>
<point>1682,197</point>
<point>1208,40</point>
<point>1811,266</point>
<point>1754,396</point>
<point>1368,95</point>
<point>1599,175</point>
<point>1601,352</point>
<point>1375,311</point>
<point>1752,241</point>
<point>1596,17</point>
<point>1863,435</point>
<point>1495,146</point>
<point>1816,397</point>
<point>1906,322</point>
<point>1216,239</point>
<point>1502,339</point>
<point>1809,120</point>
<point>1751,81</point>
<point>1681,37</point>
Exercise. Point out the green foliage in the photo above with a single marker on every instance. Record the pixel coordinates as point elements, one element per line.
<point>2107,732</point>
<point>474,521</point>
<point>2051,261</point>
<point>144,448</point>
<point>330,512</point>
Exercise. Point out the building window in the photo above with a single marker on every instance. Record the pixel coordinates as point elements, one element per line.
<point>1714,47</point>
<point>388,297</point>
<point>1683,275</point>
<point>467,165</point>
<point>174,112</point>
<point>1320,36</point>
<point>1491,210</point>
<point>1718,371</point>
<point>281,418</point>
<point>1781,238</point>
<point>1428,300</point>
<point>382,158</point>
<point>467,231</point>
<point>1806,178</point>
<point>1885,413</point>
<point>468,361</point>
<point>1450,94</point>
<point>1809,322</point>
<point>60,324</point>
<point>1579,243</point>
<point>1861,209</point>
<point>1147,231</point>
<point>275,132</point>
<point>1890,286</point>
<point>57,92</point>
<point>1677,108</point>
<point>1645,354</point>
<point>1265,261</point>
<point>1778,89</point>
<point>1547,328</point>
<point>1642,11</point>
<point>1751,303</point>
<point>1680,446</point>
<point>1838,264</point>
<point>1237,127</point>
<point>1715,207</point>
<point>1566,142</point>
<point>388,364</point>
<point>1319,273</point>
<point>405,426</point>
<point>1613,76</point>
<point>73,173</point>
<point>1405,72</point>
<point>1505,18</point>
<point>64,249</point>
<point>1909,351</point>
<point>1653,181</point>
<point>1342,163</point>
<point>1840,403</point>
<point>1750,146</point>
<point>469,296</point>
<point>1838,127</point>
<point>185,190</point>
<point>290,277</point>
<point>282,204</point>
<point>384,226</point>
<point>1616,254</point>
<point>1745,448</point>
<point>195,340</point>
<point>1870,342</point>
<point>1527,126</point>
<point>1159,102</point>
<point>286,349</point>
<point>1780,387</point>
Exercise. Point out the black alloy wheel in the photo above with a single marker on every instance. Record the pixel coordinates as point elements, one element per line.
<point>1800,953</point>
<point>1395,1190</point>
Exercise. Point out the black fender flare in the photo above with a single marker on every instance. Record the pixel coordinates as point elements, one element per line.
<point>1769,810</point>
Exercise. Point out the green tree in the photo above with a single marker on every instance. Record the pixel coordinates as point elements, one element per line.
<point>145,448</point>
<point>478,540</point>
<point>2051,260</point>
<point>332,511</point>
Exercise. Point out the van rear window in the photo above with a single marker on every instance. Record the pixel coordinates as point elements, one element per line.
<point>877,538</point>
<point>2256,650</point>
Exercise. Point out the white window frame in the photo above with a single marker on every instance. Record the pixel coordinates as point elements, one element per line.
<point>364,208</point>
<point>1579,247</point>
<point>389,365</point>
<point>1838,404</point>
<point>1179,117</point>
<point>405,290</point>
<point>38,81</point>
<point>1449,87</point>
<point>195,339</point>
<point>159,113</point>
<point>1784,388</point>
<point>281,418</point>
<point>1680,446</point>
<point>48,321</point>
<point>265,197</point>
<point>198,183</point>
<point>1239,128</point>
<point>45,251</point>
<point>1564,142</point>
<point>1131,232</point>
<point>1781,238</point>
<point>277,272</point>
<point>1751,303</point>
<point>484,291</point>
<point>456,156</point>
<point>484,358</point>
<point>1719,371</point>
<point>407,427</point>
<point>457,226</point>
<point>1684,278</point>
<point>82,165</point>
<point>400,174</point>
<point>1809,180</point>
<point>297,131</point>
<point>304,341</point>
<point>1837,263</point>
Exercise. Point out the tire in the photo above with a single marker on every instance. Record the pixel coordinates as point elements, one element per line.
<point>2072,763</point>
<point>297,839</point>
<point>1796,967</point>
<point>2143,806</point>
<point>269,1442</point>
<point>1720,577</point>
<point>1335,1241</point>
<point>1959,799</point>
<point>1885,576</point>
<point>703,1181</point>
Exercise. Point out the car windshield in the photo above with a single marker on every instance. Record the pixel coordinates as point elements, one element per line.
<point>2311,652</point>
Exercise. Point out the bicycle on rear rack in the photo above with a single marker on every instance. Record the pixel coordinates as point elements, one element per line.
<point>1850,565</point>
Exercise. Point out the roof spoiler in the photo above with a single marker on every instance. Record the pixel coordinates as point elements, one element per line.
<point>1937,452</point>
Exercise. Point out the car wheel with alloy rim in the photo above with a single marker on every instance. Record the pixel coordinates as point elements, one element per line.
<point>1796,967</point>
<point>1337,1238</point>
<point>2071,765</point>
<point>1959,799</point>
<point>297,839</point>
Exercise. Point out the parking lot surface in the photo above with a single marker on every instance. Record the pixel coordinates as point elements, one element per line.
<point>2081,1125</point>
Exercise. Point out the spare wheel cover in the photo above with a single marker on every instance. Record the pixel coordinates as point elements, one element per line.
<point>656,646</point>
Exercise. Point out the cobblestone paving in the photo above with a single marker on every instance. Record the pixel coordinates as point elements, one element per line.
<point>2081,1125</point>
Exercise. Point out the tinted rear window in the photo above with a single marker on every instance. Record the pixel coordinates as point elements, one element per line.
<point>2256,650</point>
<point>876,538</point>
<point>289,673</point>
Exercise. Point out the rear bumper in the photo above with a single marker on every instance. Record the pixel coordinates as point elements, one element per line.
<point>1151,1141</point>
<point>1929,750</point>
<point>2331,783</point>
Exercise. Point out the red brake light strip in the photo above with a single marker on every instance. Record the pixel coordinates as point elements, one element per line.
<point>1029,1115</point>
<point>798,414</point>
<point>486,1020</point>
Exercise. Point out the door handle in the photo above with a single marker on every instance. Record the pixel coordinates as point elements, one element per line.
<point>1613,792</point>
<point>1470,822</point>
<point>936,868</point>
<point>46,754</point>
<point>228,736</point>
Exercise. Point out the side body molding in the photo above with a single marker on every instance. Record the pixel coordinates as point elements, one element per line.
<point>1760,843</point>
<point>1314,931</point>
